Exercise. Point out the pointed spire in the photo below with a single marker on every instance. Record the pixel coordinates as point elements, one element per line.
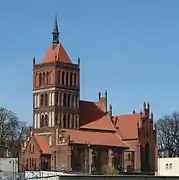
<point>55,32</point>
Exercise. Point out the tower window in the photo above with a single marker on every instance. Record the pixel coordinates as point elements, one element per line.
<point>67,80</point>
<point>59,77</point>
<point>64,100</point>
<point>64,121</point>
<point>46,99</point>
<point>63,78</point>
<point>69,124</point>
<point>43,78</point>
<point>42,121</point>
<point>48,78</point>
<point>40,79</point>
<point>41,100</point>
<point>69,100</point>
<point>71,79</point>
<point>75,80</point>
<point>46,120</point>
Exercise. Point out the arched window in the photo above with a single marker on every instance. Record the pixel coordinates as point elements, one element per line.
<point>46,120</point>
<point>129,156</point>
<point>69,124</point>
<point>41,100</point>
<point>64,100</point>
<point>51,77</point>
<point>64,121</point>
<point>40,79</point>
<point>67,80</point>
<point>75,80</point>
<point>36,79</point>
<point>42,121</point>
<point>48,78</point>
<point>63,78</point>
<point>69,100</point>
<point>43,78</point>
<point>59,77</point>
<point>46,99</point>
<point>30,163</point>
<point>71,79</point>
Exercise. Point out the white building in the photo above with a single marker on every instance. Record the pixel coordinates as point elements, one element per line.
<point>168,166</point>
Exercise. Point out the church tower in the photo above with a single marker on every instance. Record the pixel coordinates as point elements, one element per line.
<point>56,88</point>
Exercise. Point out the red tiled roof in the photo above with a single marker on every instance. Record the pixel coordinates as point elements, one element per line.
<point>96,138</point>
<point>127,125</point>
<point>92,116</point>
<point>57,54</point>
<point>43,144</point>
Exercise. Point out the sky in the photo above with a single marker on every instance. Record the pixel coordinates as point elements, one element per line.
<point>129,48</point>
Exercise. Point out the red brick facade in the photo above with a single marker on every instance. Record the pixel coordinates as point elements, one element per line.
<point>81,135</point>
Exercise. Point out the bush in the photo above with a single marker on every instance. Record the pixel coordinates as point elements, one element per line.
<point>111,171</point>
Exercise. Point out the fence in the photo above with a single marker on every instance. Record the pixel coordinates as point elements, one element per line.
<point>122,177</point>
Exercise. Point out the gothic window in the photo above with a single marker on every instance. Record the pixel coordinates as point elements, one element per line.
<point>43,78</point>
<point>67,80</point>
<point>40,79</point>
<point>41,100</point>
<point>129,156</point>
<point>64,121</point>
<point>71,79</point>
<point>63,78</point>
<point>27,164</point>
<point>69,124</point>
<point>59,77</point>
<point>64,99</point>
<point>42,121</point>
<point>75,80</point>
<point>36,77</point>
<point>48,78</point>
<point>51,77</point>
<point>73,101</point>
<point>68,100</point>
<point>46,99</point>
<point>30,163</point>
<point>46,120</point>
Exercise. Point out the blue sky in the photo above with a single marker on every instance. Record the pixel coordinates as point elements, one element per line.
<point>130,48</point>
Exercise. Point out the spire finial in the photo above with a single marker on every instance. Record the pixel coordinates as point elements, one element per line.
<point>55,32</point>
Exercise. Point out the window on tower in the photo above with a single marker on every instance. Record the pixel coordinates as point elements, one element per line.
<point>63,78</point>
<point>64,121</point>
<point>46,99</point>
<point>68,100</point>
<point>40,79</point>
<point>75,80</point>
<point>67,80</point>
<point>46,120</point>
<point>41,100</point>
<point>71,79</point>
<point>43,78</point>
<point>42,121</point>
<point>64,99</point>
<point>48,78</point>
<point>59,77</point>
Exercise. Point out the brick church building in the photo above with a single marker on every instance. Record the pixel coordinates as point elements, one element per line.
<point>73,134</point>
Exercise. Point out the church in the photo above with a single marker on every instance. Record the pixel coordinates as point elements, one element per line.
<point>76,135</point>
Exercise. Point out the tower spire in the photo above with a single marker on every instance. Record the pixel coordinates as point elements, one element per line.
<point>55,32</point>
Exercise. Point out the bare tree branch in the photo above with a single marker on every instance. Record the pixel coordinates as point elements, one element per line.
<point>168,134</point>
<point>12,131</point>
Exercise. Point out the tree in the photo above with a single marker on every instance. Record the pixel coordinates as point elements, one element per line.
<point>12,131</point>
<point>168,135</point>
